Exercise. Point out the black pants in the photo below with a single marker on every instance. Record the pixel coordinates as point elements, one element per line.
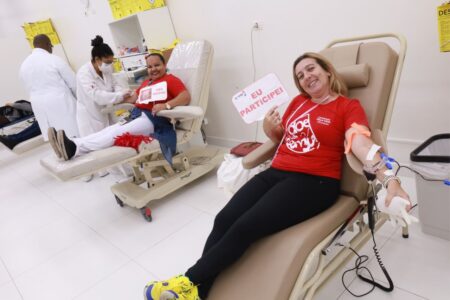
<point>270,202</point>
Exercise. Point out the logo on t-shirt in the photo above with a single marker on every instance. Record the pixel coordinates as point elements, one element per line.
<point>300,137</point>
<point>323,121</point>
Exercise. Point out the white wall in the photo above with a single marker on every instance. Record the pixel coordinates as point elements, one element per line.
<point>289,28</point>
<point>75,31</point>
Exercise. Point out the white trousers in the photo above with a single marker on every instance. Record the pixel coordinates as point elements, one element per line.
<point>105,137</point>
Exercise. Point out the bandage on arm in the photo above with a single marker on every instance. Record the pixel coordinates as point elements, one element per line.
<point>359,147</point>
<point>363,147</point>
<point>355,130</point>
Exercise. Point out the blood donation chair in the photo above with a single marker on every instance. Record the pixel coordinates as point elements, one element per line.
<point>18,126</point>
<point>153,177</point>
<point>293,263</point>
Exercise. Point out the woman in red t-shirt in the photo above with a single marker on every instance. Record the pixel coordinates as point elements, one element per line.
<point>303,181</point>
<point>166,88</point>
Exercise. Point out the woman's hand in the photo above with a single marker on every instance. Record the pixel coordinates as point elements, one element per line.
<point>272,118</point>
<point>272,125</point>
<point>158,107</point>
<point>394,189</point>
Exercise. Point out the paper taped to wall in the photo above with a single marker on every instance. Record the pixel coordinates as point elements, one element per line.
<point>443,15</point>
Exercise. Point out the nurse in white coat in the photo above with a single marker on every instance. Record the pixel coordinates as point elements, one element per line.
<point>97,88</point>
<point>51,85</point>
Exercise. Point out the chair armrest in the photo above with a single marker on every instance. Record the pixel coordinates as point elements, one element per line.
<point>259,155</point>
<point>182,113</point>
<point>111,109</point>
<point>355,163</point>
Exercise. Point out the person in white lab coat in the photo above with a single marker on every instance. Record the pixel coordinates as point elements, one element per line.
<point>52,87</point>
<point>97,88</point>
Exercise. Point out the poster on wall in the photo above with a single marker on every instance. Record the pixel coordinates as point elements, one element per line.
<point>257,99</point>
<point>46,27</point>
<point>443,15</point>
<point>123,8</point>
<point>40,27</point>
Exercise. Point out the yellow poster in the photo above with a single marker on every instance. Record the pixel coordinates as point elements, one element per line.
<point>443,14</point>
<point>40,27</point>
<point>123,8</point>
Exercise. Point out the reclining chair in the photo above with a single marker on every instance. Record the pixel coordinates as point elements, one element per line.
<point>17,127</point>
<point>191,62</point>
<point>293,263</point>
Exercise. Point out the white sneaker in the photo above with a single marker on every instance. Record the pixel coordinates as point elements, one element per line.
<point>51,133</point>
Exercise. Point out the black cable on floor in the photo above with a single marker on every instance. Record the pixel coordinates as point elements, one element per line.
<point>358,267</point>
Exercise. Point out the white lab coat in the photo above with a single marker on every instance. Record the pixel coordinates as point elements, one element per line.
<point>93,94</point>
<point>51,84</point>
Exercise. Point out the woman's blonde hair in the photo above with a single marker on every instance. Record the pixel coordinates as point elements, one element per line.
<point>337,85</point>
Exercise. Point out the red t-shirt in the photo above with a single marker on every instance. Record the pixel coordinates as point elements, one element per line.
<point>314,143</point>
<point>174,88</point>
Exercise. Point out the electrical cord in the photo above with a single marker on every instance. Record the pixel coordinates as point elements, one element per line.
<point>253,53</point>
<point>414,171</point>
<point>386,274</point>
<point>371,204</point>
<point>361,259</point>
<point>254,70</point>
<point>358,266</point>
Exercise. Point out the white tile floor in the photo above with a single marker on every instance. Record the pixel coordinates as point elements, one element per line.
<point>72,241</point>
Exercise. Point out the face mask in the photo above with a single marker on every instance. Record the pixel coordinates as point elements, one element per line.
<point>106,68</point>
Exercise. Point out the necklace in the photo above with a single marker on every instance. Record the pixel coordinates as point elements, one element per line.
<point>323,100</point>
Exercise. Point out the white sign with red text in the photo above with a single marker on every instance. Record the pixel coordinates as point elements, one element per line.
<point>258,98</point>
<point>156,92</point>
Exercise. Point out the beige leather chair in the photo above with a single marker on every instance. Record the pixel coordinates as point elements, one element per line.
<point>25,145</point>
<point>191,62</point>
<point>292,264</point>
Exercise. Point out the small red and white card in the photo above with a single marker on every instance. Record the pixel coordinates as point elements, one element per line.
<point>152,93</point>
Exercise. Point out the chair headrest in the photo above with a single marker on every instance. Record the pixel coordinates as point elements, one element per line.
<point>345,60</point>
<point>355,76</point>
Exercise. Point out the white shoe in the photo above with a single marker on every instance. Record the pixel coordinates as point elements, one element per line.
<point>51,133</point>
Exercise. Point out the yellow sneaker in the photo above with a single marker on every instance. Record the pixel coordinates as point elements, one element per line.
<point>178,287</point>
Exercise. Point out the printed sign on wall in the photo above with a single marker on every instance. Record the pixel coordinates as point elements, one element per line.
<point>257,99</point>
<point>40,27</point>
<point>443,15</point>
<point>123,8</point>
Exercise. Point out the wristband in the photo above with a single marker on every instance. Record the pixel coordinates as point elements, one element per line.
<point>388,178</point>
